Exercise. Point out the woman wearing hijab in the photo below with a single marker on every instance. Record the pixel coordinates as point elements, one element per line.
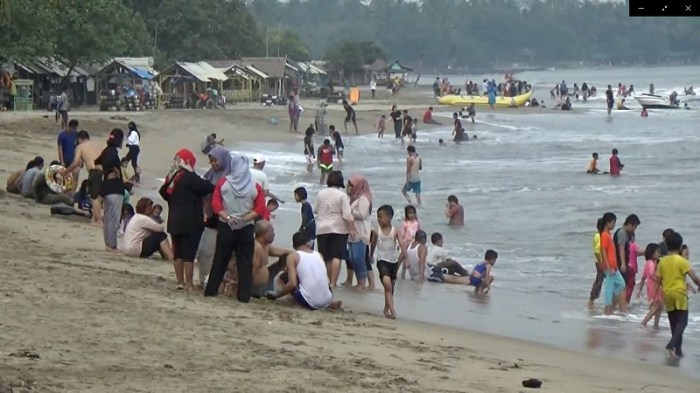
<point>112,188</point>
<point>184,191</point>
<point>360,206</point>
<point>237,202</point>
<point>220,161</point>
<point>133,142</point>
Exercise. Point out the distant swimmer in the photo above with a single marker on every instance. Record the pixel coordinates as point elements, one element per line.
<point>458,132</point>
<point>481,277</point>
<point>428,117</point>
<point>615,164</point>
<point>644,112</point>
<point>593,166</point>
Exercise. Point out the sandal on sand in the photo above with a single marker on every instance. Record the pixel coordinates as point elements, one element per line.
<point>180,287</point>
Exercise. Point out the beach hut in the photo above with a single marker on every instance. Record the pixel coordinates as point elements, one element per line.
<point>58,76</point>
<point>281,74</point>
<point>396,69</point>
<point>239,85</point>
<point>183,81</point>
<point>124,71</point>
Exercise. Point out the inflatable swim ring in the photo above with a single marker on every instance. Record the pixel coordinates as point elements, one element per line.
<point>58,179</point>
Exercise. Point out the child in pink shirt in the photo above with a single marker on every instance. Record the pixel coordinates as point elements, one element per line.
<point>407,234</point>
<point>654,297</point>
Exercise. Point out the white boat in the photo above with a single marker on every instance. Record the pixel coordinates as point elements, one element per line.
<point>649,101</point>
<point>689,96</point>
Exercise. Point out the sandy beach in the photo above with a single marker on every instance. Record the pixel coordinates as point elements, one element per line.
<point>77,319</point>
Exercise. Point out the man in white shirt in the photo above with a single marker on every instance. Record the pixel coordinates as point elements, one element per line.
<point>373,87</point>
<point>444,269</point>
<point>260,177</point>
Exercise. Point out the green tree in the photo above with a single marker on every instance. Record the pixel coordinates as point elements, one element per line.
<point>288,43</point>
<point>93,31</point>
<point>353,55</point>
<point>193,30</point>
<point>26,28</point>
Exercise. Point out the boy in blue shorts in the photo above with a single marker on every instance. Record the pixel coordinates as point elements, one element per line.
<point>481,277</point>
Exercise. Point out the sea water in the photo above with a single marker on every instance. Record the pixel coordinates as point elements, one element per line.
<point>526,194</point>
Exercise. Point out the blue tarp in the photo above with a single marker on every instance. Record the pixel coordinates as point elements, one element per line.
<point>143,74</point>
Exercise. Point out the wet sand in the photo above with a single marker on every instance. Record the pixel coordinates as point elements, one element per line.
<point>75,318</point>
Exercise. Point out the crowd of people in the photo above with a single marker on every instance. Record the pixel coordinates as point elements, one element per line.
<point>665,274</point>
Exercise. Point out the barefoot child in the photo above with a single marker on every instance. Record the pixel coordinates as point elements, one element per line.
<point>407,233</point>
<point>671,277</point>
<point>381,126</point>
<point>387,255</point>
<point>654,297</point>
<point>481,277</point>
<point>416,254</point>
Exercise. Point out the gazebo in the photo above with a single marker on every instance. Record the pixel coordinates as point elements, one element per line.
<point>399,70</point>
<point>123,72</point>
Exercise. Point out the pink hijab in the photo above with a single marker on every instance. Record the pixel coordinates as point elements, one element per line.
<point>360,187</point>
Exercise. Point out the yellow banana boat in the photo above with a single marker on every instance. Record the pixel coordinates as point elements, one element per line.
<point>463,100</point>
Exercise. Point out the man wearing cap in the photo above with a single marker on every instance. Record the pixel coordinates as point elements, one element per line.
<point>260,177</point>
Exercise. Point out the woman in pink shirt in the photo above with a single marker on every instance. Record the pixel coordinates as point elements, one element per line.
<point>143,236</point>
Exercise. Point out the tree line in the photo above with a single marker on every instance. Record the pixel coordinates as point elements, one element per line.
<point>484,33</point>
<point>437,33</point>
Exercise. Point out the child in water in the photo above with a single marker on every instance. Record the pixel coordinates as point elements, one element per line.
<point>593,165</point>
<point>671,275</point>
<point>407,233</point>
<point>481,277</point>
<point>338,141</point>
<point>615,164</point>
<point>685,253</point>
<point>416,254</point>
<point>381,126</point>
<point>654,297</point>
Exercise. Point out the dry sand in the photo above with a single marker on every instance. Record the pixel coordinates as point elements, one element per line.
<point>76,319</point>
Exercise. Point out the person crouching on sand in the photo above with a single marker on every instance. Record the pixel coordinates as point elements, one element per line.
<point>481,277</point>
<point>306,278</point>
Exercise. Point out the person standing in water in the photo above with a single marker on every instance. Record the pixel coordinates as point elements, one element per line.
<point>610,98</point>
<point>671,275</point>
<point>471,110</point>
<point>614,283</point>
<point>350,117</point>
<point>309,153</point>
<point>600,268</point>
<point>458,131</point>
<point>414,165</point>
<point>325,159</point>
<point>338,142</point>
<point>615,164</point>
<point>398,121</point>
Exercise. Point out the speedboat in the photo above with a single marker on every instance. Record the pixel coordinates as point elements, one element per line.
<point>689,96</point>
<point>649,101</point>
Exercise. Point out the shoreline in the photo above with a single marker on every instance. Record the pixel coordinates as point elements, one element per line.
<point>276,341</point>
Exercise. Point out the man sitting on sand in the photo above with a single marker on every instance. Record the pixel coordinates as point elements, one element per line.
<point>307,280</point>
<point>264,275</point>
<point>85,154</point>
<point>481,277</point>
